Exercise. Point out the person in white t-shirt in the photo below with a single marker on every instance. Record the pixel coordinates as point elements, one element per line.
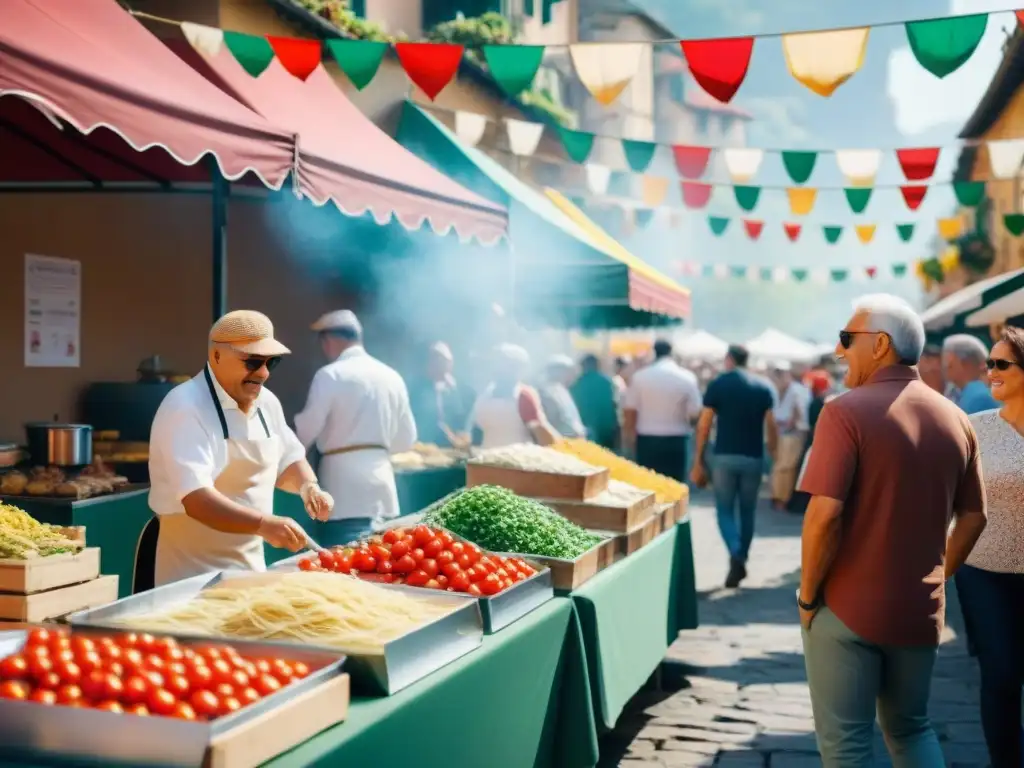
<point>791,416</point>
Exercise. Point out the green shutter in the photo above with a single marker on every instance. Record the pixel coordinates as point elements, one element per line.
<point>358,7</point>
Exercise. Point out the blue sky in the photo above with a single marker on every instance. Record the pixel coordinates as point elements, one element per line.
<point>891,102</point>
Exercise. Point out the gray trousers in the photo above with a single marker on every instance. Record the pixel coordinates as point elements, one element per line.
<point>851,679</point>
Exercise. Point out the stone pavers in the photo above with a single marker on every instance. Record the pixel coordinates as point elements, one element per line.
<point>740,695</point>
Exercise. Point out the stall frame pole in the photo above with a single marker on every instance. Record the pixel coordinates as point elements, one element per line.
<point>221,190</point>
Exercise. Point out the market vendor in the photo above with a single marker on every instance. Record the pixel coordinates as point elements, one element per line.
<point>218,447</point>
<point>559,406</point>
<point>357,415</point>
<point>440,403</point>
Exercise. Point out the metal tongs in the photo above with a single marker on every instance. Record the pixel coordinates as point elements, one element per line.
<point>310,544</point>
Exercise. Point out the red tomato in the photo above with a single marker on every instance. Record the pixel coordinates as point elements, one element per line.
<point>68,671</point>
<point>199,676</point>
<point>132,661</point>
<point>380,552</point>
<point>248,696</point>
<point>417,554</point>
<point>446,538</point>
<point>501,573</point>
<point>89,662</point>
<point>422,534</point>
<point>92,684</point>
<point>405,564</point>
<point>327,559</point>
<point>433,548</point>
<point>399,549</point>
<point>222,671</point>
<point>390,537</point>
<point>442,581</point>
<point>459,582</point>
<point>136,690</point>
<point>156,679</point>
<point>109,706</point>
<point>474,590</point>
<point>429,567</point>
<point>450,569</point>
<point>14,667</point>
<point>43,696</point>
<point>300,669</point>
<point>127,640</point>
<point>365,562</point>
<point>417,579</point>
<point>50,681</point>
<point>457,548</point>
<point>490,585</point>
<point>229,704</point>
<point>113,687</point>
<point>146,642</point>
<point>14,689</point>
<point>487,564</point>
<point>67,694</point>
<point>224,689</point>
<point>184,711</point>
<point>262,666</point>
<point>508,583</point>
<point>138,709</point>
<point>432,584</point>
<point>444,557</point>
<point>38,637</point>
<point>307,564</point>
<point>179,686</point>
<point>39,666</point>
<point>161,702</point>
<point>464,561</point>
<point>205,704</point>
<point>473,550</point>
<point>266,685</point>
<point>343,563</point>
<point>154,662</point>
<point>385,566</point>
<point>281,669</point>
<point>520,576</point>
<point>168,648</point>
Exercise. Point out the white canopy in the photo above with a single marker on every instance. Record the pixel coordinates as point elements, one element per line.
<point>944,313</point>
<point>774,346</point>
<point>999,311</point>
<point>700,345</point>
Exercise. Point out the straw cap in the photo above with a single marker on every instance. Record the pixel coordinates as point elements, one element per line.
<point>338,320</point>
<point>249,332</point>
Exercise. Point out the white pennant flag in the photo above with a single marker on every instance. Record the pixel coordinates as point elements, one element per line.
<point>598,178</point>
<point>1006,157</point>
<point>720,271</point>
<point>605,69</point>
<point>859,166</point>
<point>780,274</point>
<point>523,136</point>
<point>820,275</point>
<point>470,127</point>
<point>743,164</point>
<point>206,40</point>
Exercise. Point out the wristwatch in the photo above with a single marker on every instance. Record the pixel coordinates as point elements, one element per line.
<point>811,606</point>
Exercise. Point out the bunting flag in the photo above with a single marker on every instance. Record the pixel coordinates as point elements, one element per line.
<point>753,228</point>
<point>905,231</point>
<point>523,136</point>
<point>430,66</point>
<point>577,144</point>
<point>918,164</point>
<point>638,154</point>
<point>205,40</point>
<point>358,59</point>
<point>799,164</point>
<point>598,178</point>
<point>513,66</point>
<point>746,197</point>
<point>719,66</point>
<point>252,52</point>
<point>950,228</point>
<point>865,232</point>
<point>718,225</point>
<point>832,234</point>
<point>605,69</point>
<point>1014,223</point>
<point>942,46</point>
<point>691,162</point>
<point>695,194</point>
<point>782,274</point>
<point>1005,157</point>
<point>859,166</point>
<point>644,216</point>
<point>822,61</point>
<point>655,190</point>
<point>801,200</point>
<point>298,57</point>
<point>743,164</point>
<point>858,198</point>
<point>969,193</point>
<point>470,127</point>
<point>913,195</point>
<point>792,231</point>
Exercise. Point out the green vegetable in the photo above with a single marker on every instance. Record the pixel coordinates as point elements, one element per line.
<point>500,521</point>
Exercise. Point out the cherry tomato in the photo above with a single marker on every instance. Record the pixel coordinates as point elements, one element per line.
<point>154,662</point>
<point>161,702</point>
<point>487,564</point>
<point>16,690</point>
<point>127,640</point>
<point>145,642</point>
<point>156,679</point>
<point>385,566</point>
<point>266,685</point>
<point>281,669</point>
<point>442,581</point>
<point>67,694</point>
<point>405,564</point>
<point>444,557</point>
<point>432,584</point>
<point>307,564</point>
<point>92,684</point>
<point>43,696</point>
<point>138,709</point>
<point>136,690</point>
<point>380,552</point>
<point>179,685</point>
<point>450,569</point>
<point>248,696</point>
<point>59,644</point>
<point>417,579</point>
<point>115,668</point>
<point>390,536</point>
<point>229,704</point>
<point>113,687</point>
<point>417,554</point>
<point>501,573</point>
<point>224,689</point>
<point>459,582</point>
<point>327,559</point>
<point>433,548</point>
<point>446,538</point>
<point>39,666</point>
<point>177,668</point>
<point>14,667</point>
<point>343,563</point>
<point>222,671</point>
<point>184,711</point>
<point>520,576</point>
<point>110,706</point>
<point>365,562</point>
<point>473,550</point>
<point>205,704</point>
<point>457,548</point>
<point>132,661</point>
<point>300,669</point>
<point>422,534</point>
<point>89,662</point>
<point>50,681</point>
<point>507,583</point>
<point>399,549</point>
<point>199,677</point>
<point>464,561</point>
<point>69,672</point>
<point>38,637</point>
<point>474,590</point>
<point>262,666</point>
<point>429,566</point>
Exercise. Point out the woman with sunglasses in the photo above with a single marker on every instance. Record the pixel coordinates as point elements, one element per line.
<point>991,583</point>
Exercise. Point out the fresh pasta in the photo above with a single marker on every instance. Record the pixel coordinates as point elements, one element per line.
<point>323,609</point>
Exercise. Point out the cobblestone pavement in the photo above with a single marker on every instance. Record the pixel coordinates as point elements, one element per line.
<point>740,695</point>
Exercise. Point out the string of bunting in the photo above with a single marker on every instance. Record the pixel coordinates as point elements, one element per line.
<point>820,60</point>
<point>790,274</point>
<point>948,229</point>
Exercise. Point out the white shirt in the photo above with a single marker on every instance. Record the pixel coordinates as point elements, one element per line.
<point>795,401</point>
<point>187,450</point>
<point>499,420</point>
<point>666,398</point>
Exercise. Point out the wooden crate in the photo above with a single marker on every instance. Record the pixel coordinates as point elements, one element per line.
<point>599,515</point>
<point>538,485</point>
<point>278,730</point>
<point>567,575</point>
<point>38,574</point>
<point>58,602</point>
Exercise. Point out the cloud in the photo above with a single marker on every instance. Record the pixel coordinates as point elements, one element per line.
<point>778,121</point>
<point>923,101</point>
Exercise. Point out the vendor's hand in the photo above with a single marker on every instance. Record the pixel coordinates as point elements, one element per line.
<point>806,617</point>
<point>283,533</point>
<point>698,476</point>
<point>319,503</point>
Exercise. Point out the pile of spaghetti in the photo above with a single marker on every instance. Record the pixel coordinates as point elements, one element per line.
<point>23,537</point>
<point>325,609</point>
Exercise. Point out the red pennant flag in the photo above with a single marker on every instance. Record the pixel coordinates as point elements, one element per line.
<point>691,162</point>
<point>299,57</point>
<point>753,228</point>
<point>918,164</point>
<point>792,231</point>
<point>913,195</point>
<point>871,271</point>
<point>719,66</point>
<point>431,66</point>
<point>1020,16</point>
<point>696,195</point>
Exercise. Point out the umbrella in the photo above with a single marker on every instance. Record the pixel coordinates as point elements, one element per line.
<point>998,311</point>
<point>700,345</point>
<point>979,295</point>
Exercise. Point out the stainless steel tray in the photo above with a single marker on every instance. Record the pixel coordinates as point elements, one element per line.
<point>403,661</point>
<point>102,738</point>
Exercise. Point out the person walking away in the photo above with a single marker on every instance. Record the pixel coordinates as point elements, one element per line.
<point>218,448</point>
<point>557,401</point>
<point>819,382</point>
<point>662,402</point>
<point>963,364</point>
<point>892,465</point>
<point>357,414</point>
<point>508,411</point>
<point>594,393</point>
<point>791,417</point>
<point>930,368</point>
<point>991,583</point>
<point>440,405</point>
<point>741,406</point>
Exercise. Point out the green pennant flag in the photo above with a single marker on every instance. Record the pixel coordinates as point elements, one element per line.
<point>838,275</point>
<point>738,271</point>
<point>799,275</point>
<point>718,224</point>
<point>707,271</point>
<point>969,193</point>
<point>358,59</point>
<point>943,45</point>
<point>832,234</point>
<point>765,274</point>
<point>799,165</point>
<point>899,270</point>
<point>514,66</point>
<point>906,232</point>
<point>1014,223</point>
<point>858,198</point>
<point>577,143</point>
<point>252,52</point>
<point>746,197</point>
<point>638,154</point>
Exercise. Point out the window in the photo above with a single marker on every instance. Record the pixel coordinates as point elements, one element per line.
<point>358,7</point>
<point>439,11</point>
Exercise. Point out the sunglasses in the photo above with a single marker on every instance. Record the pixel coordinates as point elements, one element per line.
<point>1000,365</point>
<point>253,364</point>
<point>846,337</point>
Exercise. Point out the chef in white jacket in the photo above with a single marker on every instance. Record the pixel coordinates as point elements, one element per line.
<point>357,415</point>
<point>219,446</point>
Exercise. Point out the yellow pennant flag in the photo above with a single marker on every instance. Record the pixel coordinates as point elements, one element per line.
<point>865,232</point>
<point>605,69</point>
<point>655,189</point>
<point>801,200</point>
<point>951,228</point>
<point>950,260</point>
<point>822,61</point>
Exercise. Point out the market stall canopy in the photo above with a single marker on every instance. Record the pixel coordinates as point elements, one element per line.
<point>948,312</point>
<point>567,273</point>
<point>344,158</point>
<point>138,114</point>
<point>999,311</point>
<point>700,345</point>
<point>774,346</point>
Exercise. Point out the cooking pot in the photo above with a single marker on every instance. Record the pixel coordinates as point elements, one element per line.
<point>60,445</point>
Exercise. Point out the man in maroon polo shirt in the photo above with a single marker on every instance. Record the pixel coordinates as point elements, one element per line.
<point>893,464</point>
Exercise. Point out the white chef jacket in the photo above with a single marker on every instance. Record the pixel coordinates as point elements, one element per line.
<point>666,398</point>
<point>498,419</point>
<point>187,449</point>
<point>358,400</point>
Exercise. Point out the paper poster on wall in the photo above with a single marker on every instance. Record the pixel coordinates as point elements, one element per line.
<point>53,312</point>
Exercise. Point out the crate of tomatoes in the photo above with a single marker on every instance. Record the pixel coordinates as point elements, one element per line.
<point>138,699</point>
<point>433,558</point>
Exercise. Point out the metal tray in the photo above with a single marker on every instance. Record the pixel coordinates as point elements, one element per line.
<point>403,661</point>
<point>102,738</point>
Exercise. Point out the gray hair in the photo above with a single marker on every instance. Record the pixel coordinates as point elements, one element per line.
<point>965,347</point>
<point>893,316</point>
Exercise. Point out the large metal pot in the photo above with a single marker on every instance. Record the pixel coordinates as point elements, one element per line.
<point>60,445</point>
